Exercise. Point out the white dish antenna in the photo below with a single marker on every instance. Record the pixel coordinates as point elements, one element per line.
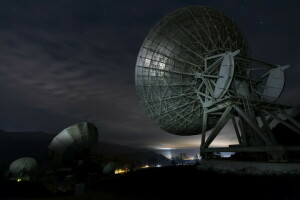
<point>275,84</point>
<point>73,141</point>
<point>22,166</point>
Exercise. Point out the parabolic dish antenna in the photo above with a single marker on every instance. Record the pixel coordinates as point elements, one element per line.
<point>194,74</point>
<point>22,166</point>
<point>110,168</point>
<point>172,54</point>
<point>73,142</point>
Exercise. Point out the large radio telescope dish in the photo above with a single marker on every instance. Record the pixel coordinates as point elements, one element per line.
<point>193,74</point>
<point>170,57</point>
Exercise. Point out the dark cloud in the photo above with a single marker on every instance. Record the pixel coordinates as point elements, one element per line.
<point>66,61</point>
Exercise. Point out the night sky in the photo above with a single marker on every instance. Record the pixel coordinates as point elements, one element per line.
<point>72,60</point>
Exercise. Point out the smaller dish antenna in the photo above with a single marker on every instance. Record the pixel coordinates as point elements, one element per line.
<point>274,83</point>
<point>109,168</point>
<point>22,167</point>
<point>73,142</point>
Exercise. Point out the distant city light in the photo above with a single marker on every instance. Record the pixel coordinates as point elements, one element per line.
<point>19,180</point>
<point>145,166</point>
<point>158,165</point>
<point>121,171</point>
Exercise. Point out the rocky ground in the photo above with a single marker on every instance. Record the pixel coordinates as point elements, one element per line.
<point>178,182</point>
<point>250,168</point>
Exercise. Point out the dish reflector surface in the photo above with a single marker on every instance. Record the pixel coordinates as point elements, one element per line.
<point>172,54</point>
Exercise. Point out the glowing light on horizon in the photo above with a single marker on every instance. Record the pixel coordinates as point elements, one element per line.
<point>121,171</point>
<point>165,148</point>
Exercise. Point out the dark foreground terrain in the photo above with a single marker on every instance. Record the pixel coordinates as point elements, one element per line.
<point>182,182</point>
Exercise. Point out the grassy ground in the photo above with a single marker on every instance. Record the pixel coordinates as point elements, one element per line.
<point>182,182</point>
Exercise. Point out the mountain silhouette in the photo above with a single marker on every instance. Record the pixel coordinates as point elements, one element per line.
<point>14,145</point>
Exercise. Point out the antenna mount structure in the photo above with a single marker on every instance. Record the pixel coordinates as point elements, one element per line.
<point>194,73</point>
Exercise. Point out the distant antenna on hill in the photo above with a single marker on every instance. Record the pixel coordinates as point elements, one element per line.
<point>22,168</point>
